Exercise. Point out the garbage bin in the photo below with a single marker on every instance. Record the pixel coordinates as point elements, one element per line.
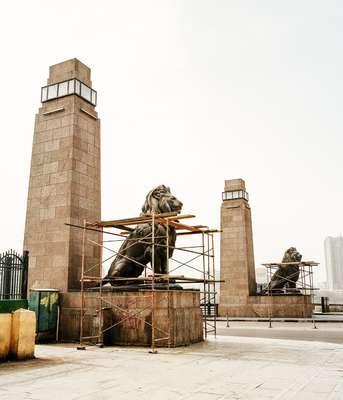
<point>45,303</point>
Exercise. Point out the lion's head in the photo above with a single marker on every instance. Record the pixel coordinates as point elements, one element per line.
<point>291,255</point>
<point>160,200</point>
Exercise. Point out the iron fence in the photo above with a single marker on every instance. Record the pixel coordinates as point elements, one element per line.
<point>13,275</point>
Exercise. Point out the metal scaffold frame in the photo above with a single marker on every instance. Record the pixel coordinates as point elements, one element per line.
<point>303,282</point>
<point>202,253</point>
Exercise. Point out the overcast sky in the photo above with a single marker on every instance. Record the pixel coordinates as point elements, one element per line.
<point>191,93</point>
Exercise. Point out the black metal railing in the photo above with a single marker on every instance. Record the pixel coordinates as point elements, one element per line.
<point>13,275</point>
<point>211,309</point>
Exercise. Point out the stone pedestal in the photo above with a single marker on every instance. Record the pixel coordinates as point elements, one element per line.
<point>184,326</point>
<point>287,306</point>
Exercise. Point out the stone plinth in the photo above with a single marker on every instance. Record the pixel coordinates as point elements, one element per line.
<point>185,317</point>
<point>287,306</point>
<point>64,185</point>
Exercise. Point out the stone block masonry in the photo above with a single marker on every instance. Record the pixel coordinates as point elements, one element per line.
<point>237,268</point>
<point>128,317</point>
<point>64,185</point>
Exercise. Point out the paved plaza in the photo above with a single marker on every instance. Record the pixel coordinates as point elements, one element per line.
<point>228,367</point>
<point>331,332</point>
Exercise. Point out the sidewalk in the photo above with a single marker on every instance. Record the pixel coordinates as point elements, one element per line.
<point>225,368</point>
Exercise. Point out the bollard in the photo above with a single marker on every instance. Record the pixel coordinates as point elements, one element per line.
<point>5,335</point>
<point>23,335</point>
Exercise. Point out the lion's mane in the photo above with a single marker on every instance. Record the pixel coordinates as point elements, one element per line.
<point>291,255</point>
<point>160,200</point>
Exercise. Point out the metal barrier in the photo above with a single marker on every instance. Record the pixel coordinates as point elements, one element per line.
<point>270,320</point>
<point>13,275</point>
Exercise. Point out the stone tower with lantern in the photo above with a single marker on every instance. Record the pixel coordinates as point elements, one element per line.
<point>237,268</point>
<point>64,186</point>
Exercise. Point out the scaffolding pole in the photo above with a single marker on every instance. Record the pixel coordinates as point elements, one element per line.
<point>168,220</point>
<point>303,280</point>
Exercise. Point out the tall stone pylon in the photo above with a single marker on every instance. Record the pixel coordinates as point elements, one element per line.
<point>64,182</point>
<point>237,266</point>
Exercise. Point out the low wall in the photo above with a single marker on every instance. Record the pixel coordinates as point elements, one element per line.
<point>335,308</point>
<point>183,313</point>
<point>8,306</point>
<point>287,306</point>
<point>17,335</point>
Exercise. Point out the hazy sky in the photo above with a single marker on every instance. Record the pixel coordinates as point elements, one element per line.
<point>191,93</point>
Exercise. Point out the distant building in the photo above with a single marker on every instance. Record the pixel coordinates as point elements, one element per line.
<point>261,279</point>
<point>334,262</point>
<point>261,275</point>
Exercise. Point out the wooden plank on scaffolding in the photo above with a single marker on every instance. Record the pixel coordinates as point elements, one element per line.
<point>199,231</point>
<point>300,263</point>
<point>132,221</point>
<point>122,222</point>
<point>190,229</point>
<point>178,225</point>
<point>173,216</point>
<point>177,217</point>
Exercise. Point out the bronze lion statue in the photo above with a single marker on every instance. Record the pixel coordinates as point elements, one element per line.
<point>136,251</point>
<point>286,276</point>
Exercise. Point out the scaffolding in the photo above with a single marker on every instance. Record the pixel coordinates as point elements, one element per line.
<point>300,282</point>
<point>301,279</point>
<point>113,233</point>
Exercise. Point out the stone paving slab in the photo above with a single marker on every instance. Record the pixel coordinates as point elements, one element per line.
<point>324,332</point>
<point>223,368</point>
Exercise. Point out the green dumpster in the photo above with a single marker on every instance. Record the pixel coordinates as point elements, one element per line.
<point>45,303</point>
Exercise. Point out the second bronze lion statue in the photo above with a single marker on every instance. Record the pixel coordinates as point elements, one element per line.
<point>136,251</point>
<point>287,275</point>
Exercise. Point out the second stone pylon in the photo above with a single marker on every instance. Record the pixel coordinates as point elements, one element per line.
<point>237,267</point>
